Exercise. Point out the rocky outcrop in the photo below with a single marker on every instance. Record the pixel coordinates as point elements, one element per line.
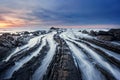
<point>105,37</point>
<point>58,30</point>
<point>93,33</point>
<point>37,33</point>
<point>3,52</point>
<point>9,41</point>
<point>111,35</point>
<point>62,66</point>
<point>6,44</point>
<point>6,40</point>
<point>115,33</point>
<point>17,57</point>
<point>85,32</point>
<point>103,44</point>
<point>29,68</point>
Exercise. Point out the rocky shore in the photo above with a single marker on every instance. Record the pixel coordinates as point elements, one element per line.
<point>110,35</point>
<point>62,67</point>
<point>29,68</point>
<point>9,41</point>
<point>61,55</point>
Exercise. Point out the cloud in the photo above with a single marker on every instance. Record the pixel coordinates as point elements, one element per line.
<point>77,18</point>
<point>61,12</point>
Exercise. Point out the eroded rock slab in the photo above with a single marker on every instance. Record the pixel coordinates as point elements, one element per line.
<point>62,66</point>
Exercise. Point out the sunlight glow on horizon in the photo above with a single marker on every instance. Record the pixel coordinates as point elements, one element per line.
<point>4,24</point>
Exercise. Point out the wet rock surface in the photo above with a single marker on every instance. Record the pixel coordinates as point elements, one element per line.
<point>106,45</point>
<point>9,41</point>
<point>62,66</point>
<point>105,38</point>
<point>110,35</point>
<point>6,64</point>
<point>29,68</point>
<point>62,55</point>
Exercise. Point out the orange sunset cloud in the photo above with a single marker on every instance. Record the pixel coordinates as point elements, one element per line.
<point>6,24</point>
<point>12,21</point>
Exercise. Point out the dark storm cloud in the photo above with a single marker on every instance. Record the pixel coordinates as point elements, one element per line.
<point>81,12</point>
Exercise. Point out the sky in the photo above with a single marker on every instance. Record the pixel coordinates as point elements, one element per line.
<point>60,13</point>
